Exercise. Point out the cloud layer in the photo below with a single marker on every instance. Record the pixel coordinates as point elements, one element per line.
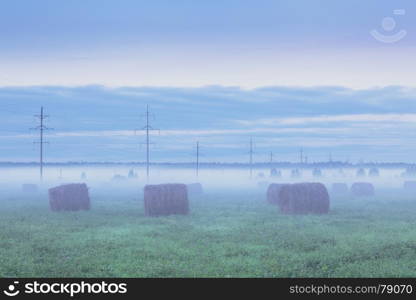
<point>94,123</point>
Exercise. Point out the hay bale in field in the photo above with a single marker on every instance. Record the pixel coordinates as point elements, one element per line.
<point>132,174</point>
<point>317,172</point>
<point>71,197</point>
<point>295,173</point>
<point>374,172</point>
<point>275,173</point>
<point>339,188</point>
<point>409,186</point>
<point>304,198</point>
<point>362,189</point>
<point>195,189</point>
<point>166,199</point>
<point>273,193</point>
<point>361,172</point>
<point>29,188</point>
<point>410,172</point>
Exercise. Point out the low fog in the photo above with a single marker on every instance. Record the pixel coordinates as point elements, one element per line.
<point>116,177</point>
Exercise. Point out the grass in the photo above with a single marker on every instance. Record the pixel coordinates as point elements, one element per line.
<point>226,235</point>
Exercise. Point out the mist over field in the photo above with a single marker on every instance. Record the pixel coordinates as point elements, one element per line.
<point>221,177</point>
<point>207,138</point>
<point>230,231</point>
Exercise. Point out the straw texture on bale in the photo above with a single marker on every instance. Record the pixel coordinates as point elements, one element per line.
<point>340,188</point>
<point>410,186</point>
<point>273,193</point>
<point>362,189</point>
<point>166,199</point>
<point>71,197</point>
<point>195,189</point>
<point>304,198</point>
<point>29,188</point>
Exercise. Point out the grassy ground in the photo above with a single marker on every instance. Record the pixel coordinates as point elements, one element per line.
<point>226,235</point>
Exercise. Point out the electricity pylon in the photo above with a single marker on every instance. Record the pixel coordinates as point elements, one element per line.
<point>41,141</point>
<point>148,128</point>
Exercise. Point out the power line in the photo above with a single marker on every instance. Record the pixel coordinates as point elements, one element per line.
<point>41,141</point>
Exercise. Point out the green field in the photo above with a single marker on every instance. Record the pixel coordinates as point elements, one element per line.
<point>227,234</point>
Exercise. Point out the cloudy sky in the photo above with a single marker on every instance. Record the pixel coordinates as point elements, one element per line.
<point>98,123</point>
<point>290,74</point>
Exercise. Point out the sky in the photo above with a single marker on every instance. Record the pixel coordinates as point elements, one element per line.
<point>333,77</point>
<point>243,43</point>
<point>97,123</point>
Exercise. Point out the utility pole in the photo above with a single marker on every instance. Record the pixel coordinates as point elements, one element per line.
<point>41,142</point>
<point>251,157</point>
<point>147,128</point>
<point>197,158</point>
<point>271,157</point>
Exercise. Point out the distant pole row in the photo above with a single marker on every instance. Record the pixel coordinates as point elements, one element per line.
<point>147,129</point>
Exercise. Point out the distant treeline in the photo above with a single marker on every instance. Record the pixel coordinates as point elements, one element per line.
<point>323,165</point>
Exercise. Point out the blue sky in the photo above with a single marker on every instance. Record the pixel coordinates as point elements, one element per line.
<point>290,74</point>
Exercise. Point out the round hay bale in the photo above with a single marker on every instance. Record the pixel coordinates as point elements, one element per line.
<point>295,173</point>
<point>362,189</point>
<point>410,172</point>
<point>132,174</point>
<point>317,172</point>
<point>166,199</point>
<point>275,173</point>
<point>409,186</point>
<point>71,197</point>
<point>195,188</point>
<point>361,172</point>
<point>273,193</point>
<point>374,172</point>
<point>304,198</point>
